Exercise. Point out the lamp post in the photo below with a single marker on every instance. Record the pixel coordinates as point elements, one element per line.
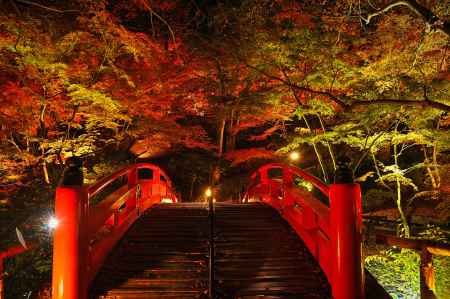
<point>208,194</point>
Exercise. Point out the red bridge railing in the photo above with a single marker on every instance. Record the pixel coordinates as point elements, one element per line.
<point>332,233</point>
<point>87,231</point>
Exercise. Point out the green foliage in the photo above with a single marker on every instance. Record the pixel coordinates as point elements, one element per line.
<point>397,271</point>
<point>315,107</point>
<point>86,97</point>
<point>435,233</point>
<point>303,184</point>
<point>442,272</point>
<point>394,174</point>
<point>26,273</point>
<point>83,145</point>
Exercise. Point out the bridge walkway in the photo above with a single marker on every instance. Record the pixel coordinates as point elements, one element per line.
<point>165,255</point>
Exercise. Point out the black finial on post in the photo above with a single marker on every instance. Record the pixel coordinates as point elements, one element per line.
<point>343,173</point>
<point>73,173</point>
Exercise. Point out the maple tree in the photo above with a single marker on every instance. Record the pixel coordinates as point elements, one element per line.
<point>143,70</point>
<point>230,84</point>
<point>94,86</point>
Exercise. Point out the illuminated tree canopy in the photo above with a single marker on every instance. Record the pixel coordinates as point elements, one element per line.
<point>246,79</point>
<point>213,88</point>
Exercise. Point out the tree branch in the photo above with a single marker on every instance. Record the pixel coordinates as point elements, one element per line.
<point>427,15</point>
<point>416,103</point>
<point>46,7</point>
<point>299,87</point>
<point>152,12</point>
<point>347,103</point>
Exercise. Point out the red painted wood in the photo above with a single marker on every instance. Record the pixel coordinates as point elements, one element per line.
<point>346,241</point>
<point>87,233</point>
<point>69,245</point>
<point>332,234</point>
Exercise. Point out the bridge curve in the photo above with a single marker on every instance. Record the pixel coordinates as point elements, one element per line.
<point>328,236</point>
<point>92,219</point>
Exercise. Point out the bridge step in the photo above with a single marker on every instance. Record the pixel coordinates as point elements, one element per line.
<point>259,256</point>
<point>165,255</point>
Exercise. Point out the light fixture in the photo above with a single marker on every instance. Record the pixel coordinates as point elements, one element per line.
<point>294,156</point>
<point>208,192</point>
<point>52,223</point>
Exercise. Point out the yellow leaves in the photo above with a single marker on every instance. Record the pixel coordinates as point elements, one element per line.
<point>102,109</point>
<point>384,86</point>
<point>69,41</point>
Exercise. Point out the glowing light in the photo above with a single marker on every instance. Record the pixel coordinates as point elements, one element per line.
<point>294,156</point>
<point>166,200</point>
<point>52,223</point>
<point>208,192</point>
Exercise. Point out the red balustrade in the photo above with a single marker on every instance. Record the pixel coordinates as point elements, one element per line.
<point>331,233</point>
<point>87,232</point>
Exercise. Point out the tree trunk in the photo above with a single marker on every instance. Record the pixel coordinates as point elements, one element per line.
<point>318,154</point>
<point>42,131</point>
<point>330,149</point>
<point>221,136</point>
<point>231,137</point>
<point>399,192</point>
<point>428,168</point>
<point>316,149</point>
<point>191,190</point>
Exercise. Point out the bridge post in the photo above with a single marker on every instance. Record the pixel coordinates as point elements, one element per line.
<point>132,181</point>
<point>346,236</point>
<point>2,295</point>
<point>69,239</point>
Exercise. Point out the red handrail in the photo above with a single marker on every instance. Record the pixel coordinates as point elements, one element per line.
<point>87,232</point>
<point>331,233</point>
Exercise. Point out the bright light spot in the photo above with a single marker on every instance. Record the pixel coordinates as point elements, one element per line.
<point>208,192</point>
<point>52,223</point>
<point>166,200</point>
<point>294,156</point>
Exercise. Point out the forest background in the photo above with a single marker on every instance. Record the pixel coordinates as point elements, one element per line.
<point>212,89</point>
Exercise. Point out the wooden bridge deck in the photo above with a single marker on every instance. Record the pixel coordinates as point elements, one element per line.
<point>165,255</point>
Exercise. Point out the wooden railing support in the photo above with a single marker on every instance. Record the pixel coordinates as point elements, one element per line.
<point>332,234</point>
<point>69,247</point>
<point>2,293</point>
<point>211,277</point>
<point>79,249</point>
<point>346,235</point>
<point>347,277</point>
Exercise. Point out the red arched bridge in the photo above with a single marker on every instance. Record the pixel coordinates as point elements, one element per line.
<point>127,236</point>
